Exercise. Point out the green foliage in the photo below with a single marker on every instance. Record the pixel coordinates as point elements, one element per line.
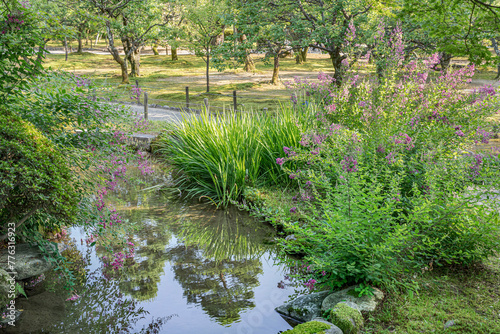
<point>207,150</point>
<point>20,61</point>
<point>34,176</point>
<point>386,189</point>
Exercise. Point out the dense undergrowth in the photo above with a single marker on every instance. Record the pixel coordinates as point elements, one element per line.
<point>382,178</point>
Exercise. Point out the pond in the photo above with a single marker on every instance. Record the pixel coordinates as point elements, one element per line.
<point>195,270</point>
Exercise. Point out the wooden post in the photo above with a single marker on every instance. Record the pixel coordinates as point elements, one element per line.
<point>205,102</point>
<point>137,87</point>
<point>187,98</point>
<point>235,102</point>
<point>146,105</point>
<point>66,48</point>
<point>94,95</point>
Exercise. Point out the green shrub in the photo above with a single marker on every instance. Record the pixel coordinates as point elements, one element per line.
<point>386,188</point>
<point>34,177</point>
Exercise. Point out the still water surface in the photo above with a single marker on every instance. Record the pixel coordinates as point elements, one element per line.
<point>197,270</point>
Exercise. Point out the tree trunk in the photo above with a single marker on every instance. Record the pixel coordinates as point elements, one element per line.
<point>444,61</point>
<point>337,66</point>
<point>135,63</point>
<point>276,70</point>
<point>66,48</point>
<point>298,56</point>
<point>304,53</point>
<point>123,66</point>
<point>166,50</point>
<point>174,54</point>
<point>116,55</point>
<point>208,73</point>
<point>249,64</point>
<point>494,43</point>
<point>80,45</point>
<point>155,49</point>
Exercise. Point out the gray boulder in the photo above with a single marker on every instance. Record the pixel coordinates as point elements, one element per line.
<point>304,308</point>
<point>364,303</point>
<point>333,329</point>
<point>27,262</point>
<point>5,283</point>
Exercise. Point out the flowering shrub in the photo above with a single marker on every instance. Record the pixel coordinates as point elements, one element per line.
<point>386,186</point>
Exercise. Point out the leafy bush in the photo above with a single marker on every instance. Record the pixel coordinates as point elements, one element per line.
<point>386,186</point>
<point>20,60</point>
<point>220,155</point>
<point>34,176</point>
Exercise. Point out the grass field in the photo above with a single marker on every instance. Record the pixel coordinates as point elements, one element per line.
<point>165,80</point>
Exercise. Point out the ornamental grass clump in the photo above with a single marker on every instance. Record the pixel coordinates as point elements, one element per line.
<point>219,155</point>
<point>387,183</point>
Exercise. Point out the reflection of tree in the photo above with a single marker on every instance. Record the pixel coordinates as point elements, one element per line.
<point>102,309</point>
<point>220,261</point>
<point>223,288</point>
<point>218,264</point>
<point>142,278</point>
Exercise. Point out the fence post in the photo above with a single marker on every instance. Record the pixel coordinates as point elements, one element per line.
<point>146,105</point>
<point>187,98</point>
<point>66,48</point>
<point>94,95</point>
<point>205,102</point>
<point>137,88</point>
<point>235,102</point>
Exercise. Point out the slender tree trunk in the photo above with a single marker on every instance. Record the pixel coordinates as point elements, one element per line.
<point>174,54</point>
<point>166,50</point>
<point>276,70</point>
<point>304,53</point>
<point>80,45</point>
<point>208,72</point>
<point>155,49</point>
<point>66,48</point>
<point>116,55</point>
<point>298,56</point>
<point>494,43</point>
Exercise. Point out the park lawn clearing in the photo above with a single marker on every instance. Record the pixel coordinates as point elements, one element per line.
<point>470,297</point>
<point>166,80</point>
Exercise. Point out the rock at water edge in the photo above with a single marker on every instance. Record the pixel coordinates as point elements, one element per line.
<point>365,303</point>
<point>304,308</point>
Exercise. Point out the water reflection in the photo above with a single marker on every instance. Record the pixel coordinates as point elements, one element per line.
<point>204,270</point>
<point>215,255</point>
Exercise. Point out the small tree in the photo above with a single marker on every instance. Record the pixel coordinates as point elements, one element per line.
<point>208,26</point>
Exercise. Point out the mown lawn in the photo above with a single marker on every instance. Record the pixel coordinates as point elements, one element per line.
<point>166,80</point>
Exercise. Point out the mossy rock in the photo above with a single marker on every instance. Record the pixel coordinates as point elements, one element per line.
<point>311,327</point>
<point>348,319</point>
